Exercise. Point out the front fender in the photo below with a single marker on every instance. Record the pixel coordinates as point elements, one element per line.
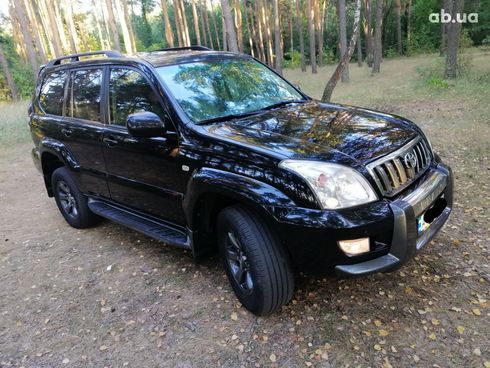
<point>239,187</point>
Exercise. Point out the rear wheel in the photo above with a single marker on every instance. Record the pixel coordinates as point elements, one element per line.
<point>255,263</point>
<point>71,202</point>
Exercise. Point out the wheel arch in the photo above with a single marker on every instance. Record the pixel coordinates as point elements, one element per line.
<point>211,190</point>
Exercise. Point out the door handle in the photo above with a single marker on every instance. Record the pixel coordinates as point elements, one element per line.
<point>110,141</point>
<point>67,132</point>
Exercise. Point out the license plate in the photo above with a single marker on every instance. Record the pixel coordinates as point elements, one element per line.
<point>422,226</point>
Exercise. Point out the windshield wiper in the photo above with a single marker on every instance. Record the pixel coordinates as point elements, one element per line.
<point>282,103</point>
<point>228,117</point>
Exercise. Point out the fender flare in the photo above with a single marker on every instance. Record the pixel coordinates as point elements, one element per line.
<point>57,148</point>
<point>241,188</point>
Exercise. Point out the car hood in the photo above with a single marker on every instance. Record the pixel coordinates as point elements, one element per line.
<point>314,130</point>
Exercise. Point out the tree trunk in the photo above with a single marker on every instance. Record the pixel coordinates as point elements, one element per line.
<point>258,14</point>
<point>39,40</point>
<point>318,31</point>
<point>230,33</point>
<point>68,12</point>
<point>343,37</point>
<point>368,32</point>
<point>178,23</point>
<point>208,28</point>
<point>99,27</point>
<point>250,29</point>
<point>398,27</point>
<point>215,26</point>
<point>409,23</point>
<point>129,23</point>
<point>186,37</point>
<point>359,52</point>
<point>196,22</point>
<point>20,12</point>
<point>311,32</point>
<point>59,25</point>
<point>267,32</point>
<point>169,34</point>
<point>327,93</point>
<point>299,26</point>
<point>128,46</point>
<point>277,37</point>
<point>112,23</point>
<point>446,5</point>
<point>8,75</point>
<point>238,25</point>
<point>378,47</point>
<point>453,33</point>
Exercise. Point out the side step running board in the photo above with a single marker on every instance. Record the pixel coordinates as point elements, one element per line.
<point>153,228</point>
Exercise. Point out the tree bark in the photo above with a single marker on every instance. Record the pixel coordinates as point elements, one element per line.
<point>215,26</point>
<point>343,37</point>
<point>327,93</point>
<point>68,12</point>
<point>169,34</point>
<point>230,33</point>
<point>311,32</point>
<point>129,22</point>
<point>409,23</point>
<point>8,75</point>
<point>112,23</point>
<point>453,33</point>
<point>207,26</point>
<point>20,12</point>
<point>196,22</point>
<point>359,52</point>
<point>398,27</point>
<point>187,39</point>
<point>60,26</point>
<point>299,26</point>
<point>238,25</point>
<point>318,31</point>
<point>178,23</point>
<point>250,29</point>
<point>258,15</point>
<point>39,40</point>
<point>277,37</point>
<point>378,47</point>
<point>368,32</point>
<point>128,46</point>
<point>446,5</point>
<point>99,27</point>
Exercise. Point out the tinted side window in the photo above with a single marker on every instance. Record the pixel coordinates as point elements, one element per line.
<point>129,92</point>
<point>52,93</point>
<point>85,94</point>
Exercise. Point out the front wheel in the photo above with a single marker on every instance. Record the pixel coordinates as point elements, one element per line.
<point>255,263</point>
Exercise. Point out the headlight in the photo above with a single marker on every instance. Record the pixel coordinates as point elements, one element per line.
<point>335,186</point>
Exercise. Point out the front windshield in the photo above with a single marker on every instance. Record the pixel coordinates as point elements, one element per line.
<point>210,90</point>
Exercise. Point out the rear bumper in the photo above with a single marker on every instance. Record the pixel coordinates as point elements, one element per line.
<point>405,240</point>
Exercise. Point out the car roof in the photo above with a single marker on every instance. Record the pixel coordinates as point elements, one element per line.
<point>157,58</point>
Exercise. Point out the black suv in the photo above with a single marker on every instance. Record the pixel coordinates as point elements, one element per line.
<point>203,149</point>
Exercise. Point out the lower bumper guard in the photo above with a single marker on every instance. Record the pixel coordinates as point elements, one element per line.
<point>406,242</point>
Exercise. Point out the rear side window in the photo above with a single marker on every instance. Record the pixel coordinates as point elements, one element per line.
<point>52,93</point>
<point>84,101</point>
<point>130,92</point>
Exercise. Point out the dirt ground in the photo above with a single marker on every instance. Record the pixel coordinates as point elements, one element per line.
<point>110,297</point>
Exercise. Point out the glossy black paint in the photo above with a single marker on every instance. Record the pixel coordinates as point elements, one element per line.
<point>145,124</point>
<point>168,176</point>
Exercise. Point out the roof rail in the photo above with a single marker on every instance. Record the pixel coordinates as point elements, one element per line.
<point>76,57</point>
<point>193,48</point>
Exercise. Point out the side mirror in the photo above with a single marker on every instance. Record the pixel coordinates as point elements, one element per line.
<point>145,124</point>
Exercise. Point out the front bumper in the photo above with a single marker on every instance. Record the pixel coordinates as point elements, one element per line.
<point>405,240</point>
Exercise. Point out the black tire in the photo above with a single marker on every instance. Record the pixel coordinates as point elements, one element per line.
<point>266,264</point>
<point>71,202</point>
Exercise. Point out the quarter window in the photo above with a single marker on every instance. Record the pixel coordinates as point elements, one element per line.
<point>130,92</point>
<point>85,95</point>
<point>52,93</point>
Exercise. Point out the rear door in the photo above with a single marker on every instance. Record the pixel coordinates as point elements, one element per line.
<point>143,173</point>
<point>82,128</point>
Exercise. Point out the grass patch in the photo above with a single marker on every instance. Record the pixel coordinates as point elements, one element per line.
<point>14,128</point>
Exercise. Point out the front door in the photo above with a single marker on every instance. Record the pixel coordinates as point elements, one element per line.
<point>143,173</point>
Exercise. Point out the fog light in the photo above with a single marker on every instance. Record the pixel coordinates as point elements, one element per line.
<point>355,246</point>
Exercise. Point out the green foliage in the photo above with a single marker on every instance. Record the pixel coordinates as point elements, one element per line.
<point>21,72</point>
<point>328,56</point>
<point>292,59</point>
<point>435,82</point>
<point>391,53</point>
<point>426,36</point>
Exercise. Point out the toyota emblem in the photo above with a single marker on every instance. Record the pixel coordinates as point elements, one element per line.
<point>410,160</point>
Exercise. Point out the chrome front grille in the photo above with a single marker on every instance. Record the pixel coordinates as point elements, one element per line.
<point>397,170</point>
